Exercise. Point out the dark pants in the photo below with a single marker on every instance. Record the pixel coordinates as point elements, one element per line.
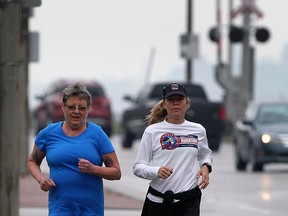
<point>185,207</point>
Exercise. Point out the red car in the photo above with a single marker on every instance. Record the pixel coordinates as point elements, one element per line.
<point>49,110</point>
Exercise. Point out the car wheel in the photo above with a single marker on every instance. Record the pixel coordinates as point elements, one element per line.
<point>241,164</point>
<point>127,139</point>
<point>256,166</point>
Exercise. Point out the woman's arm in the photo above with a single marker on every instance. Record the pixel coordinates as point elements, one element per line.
<point>111,171</point>
<point>141,166</point>
<point>34,161</point>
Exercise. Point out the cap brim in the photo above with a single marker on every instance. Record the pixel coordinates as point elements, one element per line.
<point>175,93</point>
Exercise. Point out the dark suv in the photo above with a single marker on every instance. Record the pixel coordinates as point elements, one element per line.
<point>49,110</point>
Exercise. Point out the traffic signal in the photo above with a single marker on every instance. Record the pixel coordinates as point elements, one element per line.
<point>236,34</point>
<point>262,34</point>
<point>214,34</point>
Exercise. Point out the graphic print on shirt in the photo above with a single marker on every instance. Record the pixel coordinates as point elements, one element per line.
<point>170,141</point>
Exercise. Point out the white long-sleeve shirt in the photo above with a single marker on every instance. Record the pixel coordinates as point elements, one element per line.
<point>180,146</point>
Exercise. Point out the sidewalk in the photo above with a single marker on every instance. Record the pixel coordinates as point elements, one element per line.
<point>33,201</point>
<point>108,212</point>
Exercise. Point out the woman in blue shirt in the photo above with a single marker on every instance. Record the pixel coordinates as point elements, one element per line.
<point>75,151</point>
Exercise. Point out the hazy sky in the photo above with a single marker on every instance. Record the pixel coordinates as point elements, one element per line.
<point>111,40</point>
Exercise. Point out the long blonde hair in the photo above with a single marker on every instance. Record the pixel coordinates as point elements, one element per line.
<point>158,113</point>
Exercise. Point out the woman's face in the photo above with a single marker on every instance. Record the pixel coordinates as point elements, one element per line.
<point>75,111</point>
<point>176,107</point>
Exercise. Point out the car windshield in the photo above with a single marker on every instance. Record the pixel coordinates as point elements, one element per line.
<point>273,113</point>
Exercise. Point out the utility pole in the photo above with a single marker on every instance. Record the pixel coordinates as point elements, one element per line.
<point>14,117</point>
<point>189,62</point>
<point>9,107</point>
<point>23,90</point>
<point>189,43</point>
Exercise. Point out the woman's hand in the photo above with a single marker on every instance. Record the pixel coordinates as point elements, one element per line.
<point>85,166</point>
<point>46,183</point>
<point>110,172</point>
<point>164,172</point>
<point>204,172</point>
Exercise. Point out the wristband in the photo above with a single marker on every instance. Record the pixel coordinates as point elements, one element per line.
<point>208,166</point>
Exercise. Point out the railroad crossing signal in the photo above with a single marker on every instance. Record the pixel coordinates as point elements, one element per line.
<point>236,34</point>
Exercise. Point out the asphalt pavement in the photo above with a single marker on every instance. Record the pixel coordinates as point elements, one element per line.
<point>230,192</point>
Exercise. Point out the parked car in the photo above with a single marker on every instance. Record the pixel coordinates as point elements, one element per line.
<point>49,110</point>
<point>261,136</point>
<point>210,114</point>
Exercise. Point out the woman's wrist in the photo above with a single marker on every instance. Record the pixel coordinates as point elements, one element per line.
<point>208,166</point>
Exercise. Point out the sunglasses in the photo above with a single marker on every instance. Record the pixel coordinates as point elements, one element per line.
<point>74,107</point>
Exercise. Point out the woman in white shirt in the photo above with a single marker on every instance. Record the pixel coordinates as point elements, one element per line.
<point>173,154</point>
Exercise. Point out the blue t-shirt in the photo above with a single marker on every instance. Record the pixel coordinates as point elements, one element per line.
<point>76,193</point>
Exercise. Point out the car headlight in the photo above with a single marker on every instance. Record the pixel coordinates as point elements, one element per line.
<point>266,138</point>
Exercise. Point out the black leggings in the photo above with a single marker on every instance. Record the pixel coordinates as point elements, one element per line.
<point>185,207</point>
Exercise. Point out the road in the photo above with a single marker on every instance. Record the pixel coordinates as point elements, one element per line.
<point>229,193</point>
